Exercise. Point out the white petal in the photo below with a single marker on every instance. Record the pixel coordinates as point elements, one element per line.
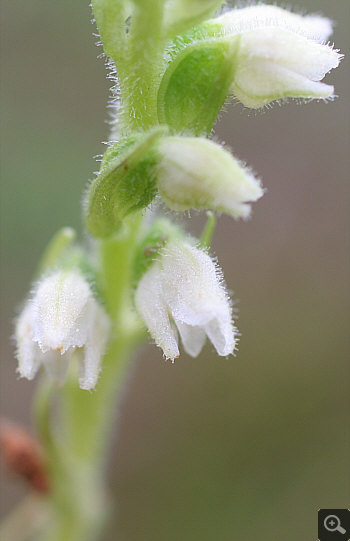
<point>193,338</point>
<point>61,318</point>
<point>152,308</point>
<point>98,332</point>
<point>28,353</point>
<point>194,292</point>
<point>238,21</point>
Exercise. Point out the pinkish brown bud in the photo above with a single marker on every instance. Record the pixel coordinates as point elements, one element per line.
<point>23,455</point>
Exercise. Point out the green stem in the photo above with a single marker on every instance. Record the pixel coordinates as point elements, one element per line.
<point>77,452</point>
<point>208,231</point>
<point>79,504</point>
<point>145,56</point>
<point>25,521</point>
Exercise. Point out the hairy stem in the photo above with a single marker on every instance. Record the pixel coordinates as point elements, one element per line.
<point>77,449</point>
<point>145,56</point>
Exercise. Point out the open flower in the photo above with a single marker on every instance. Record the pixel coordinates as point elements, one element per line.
<point>184,291</point>
<point>280,54</point>
<point>61,317</point>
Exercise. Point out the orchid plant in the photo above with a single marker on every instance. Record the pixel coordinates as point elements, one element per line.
<point>175,65</point>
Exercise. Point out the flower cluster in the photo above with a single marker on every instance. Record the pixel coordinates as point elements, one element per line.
<point>181,74</point>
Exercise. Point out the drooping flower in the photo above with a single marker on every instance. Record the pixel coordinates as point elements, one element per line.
<point>281,54</point>
<point>62,317</point>
<point>197,173</point>
<point>184,291</point>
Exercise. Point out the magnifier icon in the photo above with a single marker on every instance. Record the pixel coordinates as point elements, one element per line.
<point>332,524</point>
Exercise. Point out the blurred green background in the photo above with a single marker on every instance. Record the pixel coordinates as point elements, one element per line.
<point>205,449</point>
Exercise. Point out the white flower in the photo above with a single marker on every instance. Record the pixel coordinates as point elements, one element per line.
<point>280,54</point>
<point>61,317</point>
<point>184,290</point>
<point>197,173</point>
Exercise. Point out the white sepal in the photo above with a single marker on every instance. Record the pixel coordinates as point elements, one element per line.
<point>237,21</point>
<point>150,303</point>
<point>28,353</point>
<point>95,346</point>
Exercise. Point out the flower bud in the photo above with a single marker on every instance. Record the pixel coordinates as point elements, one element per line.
<point>24,456</point>
<point>61,317</point>
<point>197,173</point>
<point>184,291</point>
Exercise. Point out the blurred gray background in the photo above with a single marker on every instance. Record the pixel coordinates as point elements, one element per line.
<point>240,449</point>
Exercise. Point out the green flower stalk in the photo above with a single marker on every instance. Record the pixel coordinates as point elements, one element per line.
<point>177,65</point>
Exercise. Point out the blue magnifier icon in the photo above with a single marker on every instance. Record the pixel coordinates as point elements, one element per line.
<point>332,524</point>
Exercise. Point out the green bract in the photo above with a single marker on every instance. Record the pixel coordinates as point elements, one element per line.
<point>63,252</point>
<point>125,183</point>
<point>155,238</point>
<point>62,241</point>
<point>182,14</point>
<point>196,84</point>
